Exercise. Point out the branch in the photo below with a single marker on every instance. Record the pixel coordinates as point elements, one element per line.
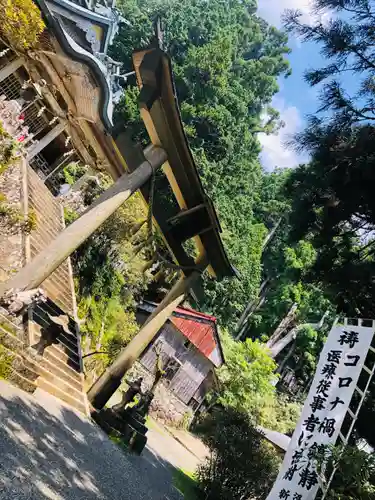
<point>95,352</point>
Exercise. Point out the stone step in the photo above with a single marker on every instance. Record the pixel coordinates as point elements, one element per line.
<point>78,404</point>
<point>61,366</point>
<point>52,378</point>
<point>30,366</point>
<point>22,382</point>
<point>56,372</point>
<point>54,359</point>
<point>18,364</point>
<point>55,368</point>
<point>67,339</point>
<point>18,373</point>
<point>13,325</point>
<point>63,353</point>
<point>29,371</point>
<point>10,340</point>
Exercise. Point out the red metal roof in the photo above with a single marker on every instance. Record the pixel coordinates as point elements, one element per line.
<point>200,329</point>
<point>197,314</point>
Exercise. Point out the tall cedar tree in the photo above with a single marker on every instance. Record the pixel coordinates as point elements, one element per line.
<point>332,196</point>
<point>226,62</point>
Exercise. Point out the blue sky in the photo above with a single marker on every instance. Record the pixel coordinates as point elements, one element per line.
<point>295,99</point>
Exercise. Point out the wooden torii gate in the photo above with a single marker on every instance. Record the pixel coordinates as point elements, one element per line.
<point>196,219</point>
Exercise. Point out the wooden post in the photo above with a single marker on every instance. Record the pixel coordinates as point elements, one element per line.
<point>106,385</point>
<point>10,68</point>
<point>46,262</point>
<point>47,139</point>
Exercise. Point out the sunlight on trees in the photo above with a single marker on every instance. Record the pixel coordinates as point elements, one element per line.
<point>21,23</point>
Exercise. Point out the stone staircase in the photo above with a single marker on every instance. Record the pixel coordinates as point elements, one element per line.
<point>42,350</point>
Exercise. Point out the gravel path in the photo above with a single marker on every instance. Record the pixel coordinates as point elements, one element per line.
<point>49,451</point>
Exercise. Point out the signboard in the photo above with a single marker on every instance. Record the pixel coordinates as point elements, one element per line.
<point>339,367</point>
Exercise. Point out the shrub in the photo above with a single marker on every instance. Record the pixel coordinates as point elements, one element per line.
<point>8,150</point>
<point>354,477</point>
<point>21,23</point>
<point>242,465</point>
<point>72,172</point>
<point>185,421</point>
<point>31,222</point>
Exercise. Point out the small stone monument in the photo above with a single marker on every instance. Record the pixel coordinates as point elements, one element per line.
<point>129,422</point>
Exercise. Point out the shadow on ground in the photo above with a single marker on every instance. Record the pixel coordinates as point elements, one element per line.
<point>61,455</point>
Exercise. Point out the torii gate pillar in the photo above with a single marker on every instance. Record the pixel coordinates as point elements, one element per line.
<point>110,380</point>
<point>47,261</point>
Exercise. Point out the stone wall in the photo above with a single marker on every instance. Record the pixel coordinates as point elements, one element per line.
<point>12,255</point>
<point>165,406</point>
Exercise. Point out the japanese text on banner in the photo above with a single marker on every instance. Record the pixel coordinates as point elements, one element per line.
<point>339,367</point>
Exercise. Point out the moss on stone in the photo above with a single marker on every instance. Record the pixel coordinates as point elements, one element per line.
<point>6,362</point>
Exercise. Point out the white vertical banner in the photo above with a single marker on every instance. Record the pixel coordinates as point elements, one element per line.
<point>340,364</point>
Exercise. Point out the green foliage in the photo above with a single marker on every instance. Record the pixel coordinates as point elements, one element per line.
<point>11,216</point>
<point>247,375</point>
<point>69,215</point>
<point>110,280</point>
<point>270,204</point>
<point>301,257</point>
<point>336,212</point>
<point>22,23</point>
<point>185,483</point>
<point>346,44</point>
<point>281,413</point>
<point>185,421</point>
<point>73,172</point>
<point>308,346</point>
<point>241,464</point>
<point>6,359</point>
<point>108,324</point>
<point>331,197</point>
<point>226,299</point>
<point>9,148</point>
<point>226,61</point>
<point>354,477</point>
<point>247,384</point>
<point>287,264</point>
<point>31,221</point>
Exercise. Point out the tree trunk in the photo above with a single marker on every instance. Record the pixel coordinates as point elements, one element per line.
<point>284,323</point>
<point>251,304</point>
<point>271,234</point>
<point>257,306</point>
<point>251,307</point>
<point>277,347</point>
<point>290,353</point>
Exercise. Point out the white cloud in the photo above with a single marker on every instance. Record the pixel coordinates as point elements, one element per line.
<point>272,10</point>
<point>274,153</point>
